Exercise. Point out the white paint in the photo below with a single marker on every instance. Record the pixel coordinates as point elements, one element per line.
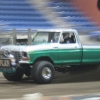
<point>35,96</point>
<point>47,46</point>
<point>91,46</point>
<point>44,46</point>
<point>26,62</point>
<point>50,46</point>
<point>30,47</point>
<point>92,98</point>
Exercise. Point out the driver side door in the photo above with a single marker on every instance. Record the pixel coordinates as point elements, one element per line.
<point>70,53</point>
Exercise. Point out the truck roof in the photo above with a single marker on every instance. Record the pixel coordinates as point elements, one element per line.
<point>57,30</point>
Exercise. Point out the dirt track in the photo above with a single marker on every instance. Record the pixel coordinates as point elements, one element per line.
<point>63,84</point>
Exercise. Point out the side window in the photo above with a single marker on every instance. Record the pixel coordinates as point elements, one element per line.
<point>68,37</point>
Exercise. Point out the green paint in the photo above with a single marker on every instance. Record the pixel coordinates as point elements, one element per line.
<point>68,56</point>
<point>91,55</point>
<point>8,70</point>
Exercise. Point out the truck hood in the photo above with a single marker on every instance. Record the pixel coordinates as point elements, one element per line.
<point>29,48</point>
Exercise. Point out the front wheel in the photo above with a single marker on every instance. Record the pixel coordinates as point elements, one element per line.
<point>42,72</point>
<point>17,76</point>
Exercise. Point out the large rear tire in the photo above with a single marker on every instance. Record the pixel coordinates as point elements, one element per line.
<point>42,72</point>
<point>17,76</point>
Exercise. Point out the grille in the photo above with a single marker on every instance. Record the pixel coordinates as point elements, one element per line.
<point>1,54</point>
<point>16,55</point>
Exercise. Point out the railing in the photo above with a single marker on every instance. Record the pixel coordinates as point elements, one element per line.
<point>8,37</point>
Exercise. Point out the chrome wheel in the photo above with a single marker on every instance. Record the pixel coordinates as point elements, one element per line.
<point>46,73</point>
<point>42,72</point>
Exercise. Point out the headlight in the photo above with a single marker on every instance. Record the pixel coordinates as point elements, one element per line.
<point>24,55</point>
<point>6,53</point>
<point>12,59</point>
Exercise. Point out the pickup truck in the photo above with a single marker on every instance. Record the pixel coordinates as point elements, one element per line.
<point>46,53</point>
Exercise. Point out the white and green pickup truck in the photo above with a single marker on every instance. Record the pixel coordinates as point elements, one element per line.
<point>50,50</point>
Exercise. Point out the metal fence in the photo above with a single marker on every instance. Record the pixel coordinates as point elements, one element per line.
<point>16,36</point>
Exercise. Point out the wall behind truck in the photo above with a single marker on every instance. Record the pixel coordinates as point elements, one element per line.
<point>90,7</point>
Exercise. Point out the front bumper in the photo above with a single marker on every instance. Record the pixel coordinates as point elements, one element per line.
<point>23,62</point>
<point>6,65</point>
<point>8,70</point>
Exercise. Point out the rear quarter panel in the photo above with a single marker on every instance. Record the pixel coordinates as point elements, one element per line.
<point>91,54</point>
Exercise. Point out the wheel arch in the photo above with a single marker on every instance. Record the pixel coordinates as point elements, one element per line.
<point>44,58</point>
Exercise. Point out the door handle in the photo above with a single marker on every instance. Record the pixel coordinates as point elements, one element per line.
<point>75,46</point>
<point>55,47</point>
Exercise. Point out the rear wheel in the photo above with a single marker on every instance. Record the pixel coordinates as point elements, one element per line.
<point>17,76</point>
<point>42,72</point>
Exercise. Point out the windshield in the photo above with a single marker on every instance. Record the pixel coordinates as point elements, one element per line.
<point>6,39</point>
<point>22,38</point>
<point>45,37</point>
